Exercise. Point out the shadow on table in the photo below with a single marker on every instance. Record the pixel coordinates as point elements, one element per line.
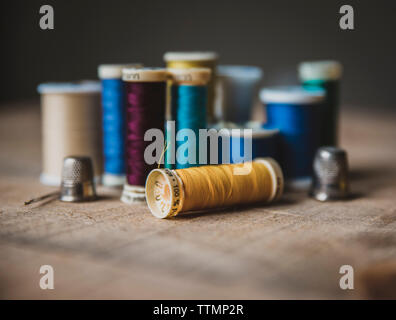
<point>284,202</point>
<point>367,180</point>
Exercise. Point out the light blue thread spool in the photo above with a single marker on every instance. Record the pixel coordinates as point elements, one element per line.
<point>238,88</point>
<point>113,120</point>
<point>296,112</point>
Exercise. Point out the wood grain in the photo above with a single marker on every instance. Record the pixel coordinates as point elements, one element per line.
<point>107,249</point>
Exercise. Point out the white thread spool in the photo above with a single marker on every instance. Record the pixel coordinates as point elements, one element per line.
<point>71,126</point>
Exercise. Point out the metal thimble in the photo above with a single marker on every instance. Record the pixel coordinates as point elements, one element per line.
<point>330,177</point>
<point>77,180</point>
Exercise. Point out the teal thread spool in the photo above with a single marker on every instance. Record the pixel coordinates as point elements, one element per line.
<point>188,104</point>
<point>325,75</point>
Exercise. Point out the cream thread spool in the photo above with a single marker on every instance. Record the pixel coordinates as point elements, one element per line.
<point>166,197</point>
<point>71,125</point>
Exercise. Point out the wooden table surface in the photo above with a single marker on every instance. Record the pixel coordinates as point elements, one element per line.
<point>292,249</point>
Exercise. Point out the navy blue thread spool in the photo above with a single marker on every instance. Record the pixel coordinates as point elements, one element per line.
<point>188,104</point>
<point>264,143</point>
<point>113,121</point>
<point>297,113</point>
<point>325,75</point>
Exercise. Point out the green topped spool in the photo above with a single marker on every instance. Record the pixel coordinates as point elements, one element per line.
<point>325,75</point>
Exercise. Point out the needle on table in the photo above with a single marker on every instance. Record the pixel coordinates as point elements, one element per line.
<point>52,194</point>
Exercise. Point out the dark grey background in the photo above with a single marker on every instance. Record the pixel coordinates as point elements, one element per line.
<point>274,34</point>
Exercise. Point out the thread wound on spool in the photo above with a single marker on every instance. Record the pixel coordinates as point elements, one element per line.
<point>169,192</point>
<point>145,110</point>
<point>188,60</point>
<point>113,120</point>
<point>325,75</point>
<point>70,125</point>
<point>296,112</point>
<point>188,110</point>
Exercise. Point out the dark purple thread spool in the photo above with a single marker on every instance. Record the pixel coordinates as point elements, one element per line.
<point>145,94</point>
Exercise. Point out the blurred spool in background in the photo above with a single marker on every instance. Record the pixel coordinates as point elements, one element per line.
<point>145,90</point>
<point>186,60</point>
<point>113,120</point>
<point>189,100</point>
<point>71,125</point>
<point>297,113</point>
<point>237,87</point>
<point>325,75</point>
<point>264,143</point>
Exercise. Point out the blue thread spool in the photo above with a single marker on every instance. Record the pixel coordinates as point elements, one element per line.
<point>325,75</point>
<point>296,112</point>
<point>189,99</point>
<point>264,143</point>
<point>113,121</point>
<point>238,85</point>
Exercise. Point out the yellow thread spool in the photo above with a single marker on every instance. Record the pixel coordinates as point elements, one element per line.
<point>169,192</point>
<point>187,60</point>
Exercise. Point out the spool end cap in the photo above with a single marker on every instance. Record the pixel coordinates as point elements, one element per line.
<point>164,193</point>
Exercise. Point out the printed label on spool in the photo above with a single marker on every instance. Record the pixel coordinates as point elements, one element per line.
<point>144,74</point>
<point>193,76</point>
<point>164,193</point>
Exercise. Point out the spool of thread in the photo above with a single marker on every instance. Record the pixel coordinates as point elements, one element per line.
<point>296,112</point>
<point>238,87</point>
<point>189,99</point>
<point>325,75</point>
<point>145,91</point>
<point>113,120</point>
<point>71,125</point>
<point>264,144</point>
<point>172,191</point>
<point>186,60</point>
